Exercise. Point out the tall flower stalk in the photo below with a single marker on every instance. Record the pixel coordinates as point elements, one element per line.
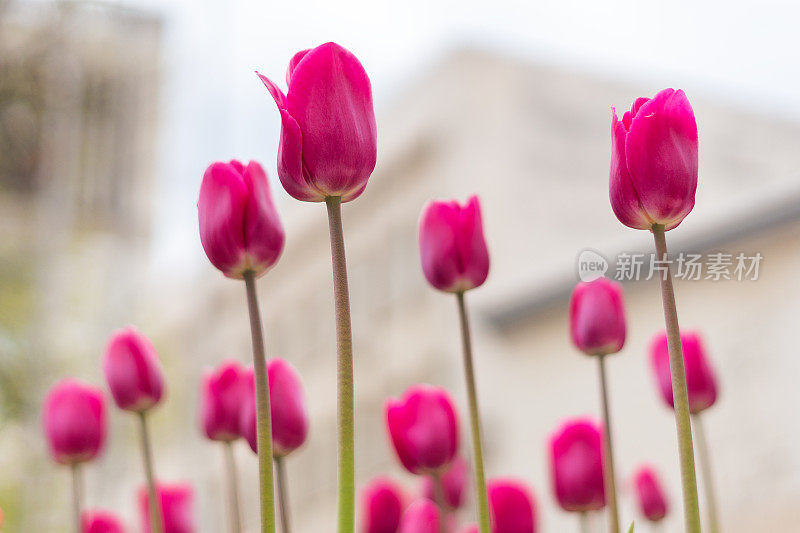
<point>77,496</point>
<point>706,469</point>
<point>234,506</point>
<point>156,514</point>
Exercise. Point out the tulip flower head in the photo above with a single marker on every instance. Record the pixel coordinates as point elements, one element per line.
<point>132,370</point>
<point>100,522</point>
<point>454,484</point>
<point>328,143</point>
<point>452,246</point>
<point>597,317</point>
<point>287,406</point>
<point>650,494</point>
<point>512,507</point>
<point>239,226</point>
<point>382,505</point>
<point>176,506</point>
<point>422,516</point>
<point>74,420</point>
<point>423,427</point>
<point>653,175</point>
<point>701,381</point>
<point>576,466</point>
<point>222,396</point>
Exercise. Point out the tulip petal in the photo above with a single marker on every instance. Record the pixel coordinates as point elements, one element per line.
<point>438,247</point>
<point>287,407</point>
<point>471,244</point>
<point>291,171</point>
<point>263,231</point>
<point>624,198</point>
<point>274,90</point>
<point>293,64</point>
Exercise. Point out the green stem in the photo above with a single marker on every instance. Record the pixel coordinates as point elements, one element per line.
<point>441,501</point>
<point>610,474</point>
<point>474,417</point>
<point>156,519</point>
<point>77,497</point>
<point>680,395</point>
<point>706,469</point>
<point>283,494</point>
<point>263,414</point>
<point>584,522</point>
<point>233,488</point>
<point>344,369</point>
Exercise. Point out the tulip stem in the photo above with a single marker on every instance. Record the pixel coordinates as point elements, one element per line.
<point>610,476</point>
<point>283,494</point>
<point>584,522</point>
<point>680,395</point>
<point>474,417</point>
<point>344,369</point>
<point>233,488</point>
<point>263,413</point>
<point>77,496</point>
<point>441,501</point>
<point>156,519</point>
<point>706,469</point>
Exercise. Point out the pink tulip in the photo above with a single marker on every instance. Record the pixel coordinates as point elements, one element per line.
<point>176,507</point>
<point>654,161</point>
<point>239,226</point>
<point>471,528</point>
<point>650,494</point>
<point>287,406</point>
<point>328,141</point>
<point>452,246</point>
<point>132,370</point>
<point>222,396</point>
<point>597,317</point>
<point>423,427</point>
<point>700,380</point>
<point>382,505</point>
<point>422,516</point>
<point>454,484</point>
<point>100,522</point>
<point>512,507</point>
<point>74,420</point>
<point>576,463</point>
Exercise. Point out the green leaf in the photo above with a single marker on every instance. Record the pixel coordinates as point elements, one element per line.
<point>630,529</point>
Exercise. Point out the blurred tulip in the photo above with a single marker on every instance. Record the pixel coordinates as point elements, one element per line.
<point>287,405</point>
<point>654,161</point>
<point>650,494</point>
<point>328,141</point>
<point>222,395</point>
<point>423,427</point>
<point>597,317</point>
<point>576,466</point>
<point>101,522</point>
<point>471,528</point>
<point>74,419</point>
<point>454,484</point>
<point>176,505</point>
<point>700,379</point>
<point>422,516</point>
<point>132,370</point>
<point>512,507</point>
<point>239,226</point>
<point>452,245</point>
<point>382,505</point>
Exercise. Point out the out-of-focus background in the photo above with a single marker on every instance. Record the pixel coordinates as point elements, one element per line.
<point>110,112</point>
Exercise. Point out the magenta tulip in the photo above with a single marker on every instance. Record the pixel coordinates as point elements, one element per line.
<point>132,370</point>
<point>650,494</point>
<point>454,484</point>
<point>222,396</point>
<point>74,420</point>
<point>287,406</point>
<point>382,505</point>
<point>654,161</point>
<point>422,516</point>
<point>700,379</point>
<point>100,522</point>
<point>328,141</point>
<point>176,506</point>
<point>576,466</point>
<point>452,246</point>
<point>512,507</point>
<point>423,427</point>
<point>597,317</point>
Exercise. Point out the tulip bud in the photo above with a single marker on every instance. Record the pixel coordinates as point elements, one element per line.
<point>597,317</point>
<point>423,427</point>
<point>74,419</point>
<point>382,504</point>
<point>454,483</point>
<point>452,246</point>
<point>654,161</point>
<point>700,380</point>
<point>176,508</point>
<point>100,522</point>
<point>422,516</point>
<point>512,507</point>
<point>328,141</point>
<point>239,226</point>
<point>132,370</point>
<point>222,396</point>
<point>287,407</point>
<point>576,462</point>
<point>650,494</point>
